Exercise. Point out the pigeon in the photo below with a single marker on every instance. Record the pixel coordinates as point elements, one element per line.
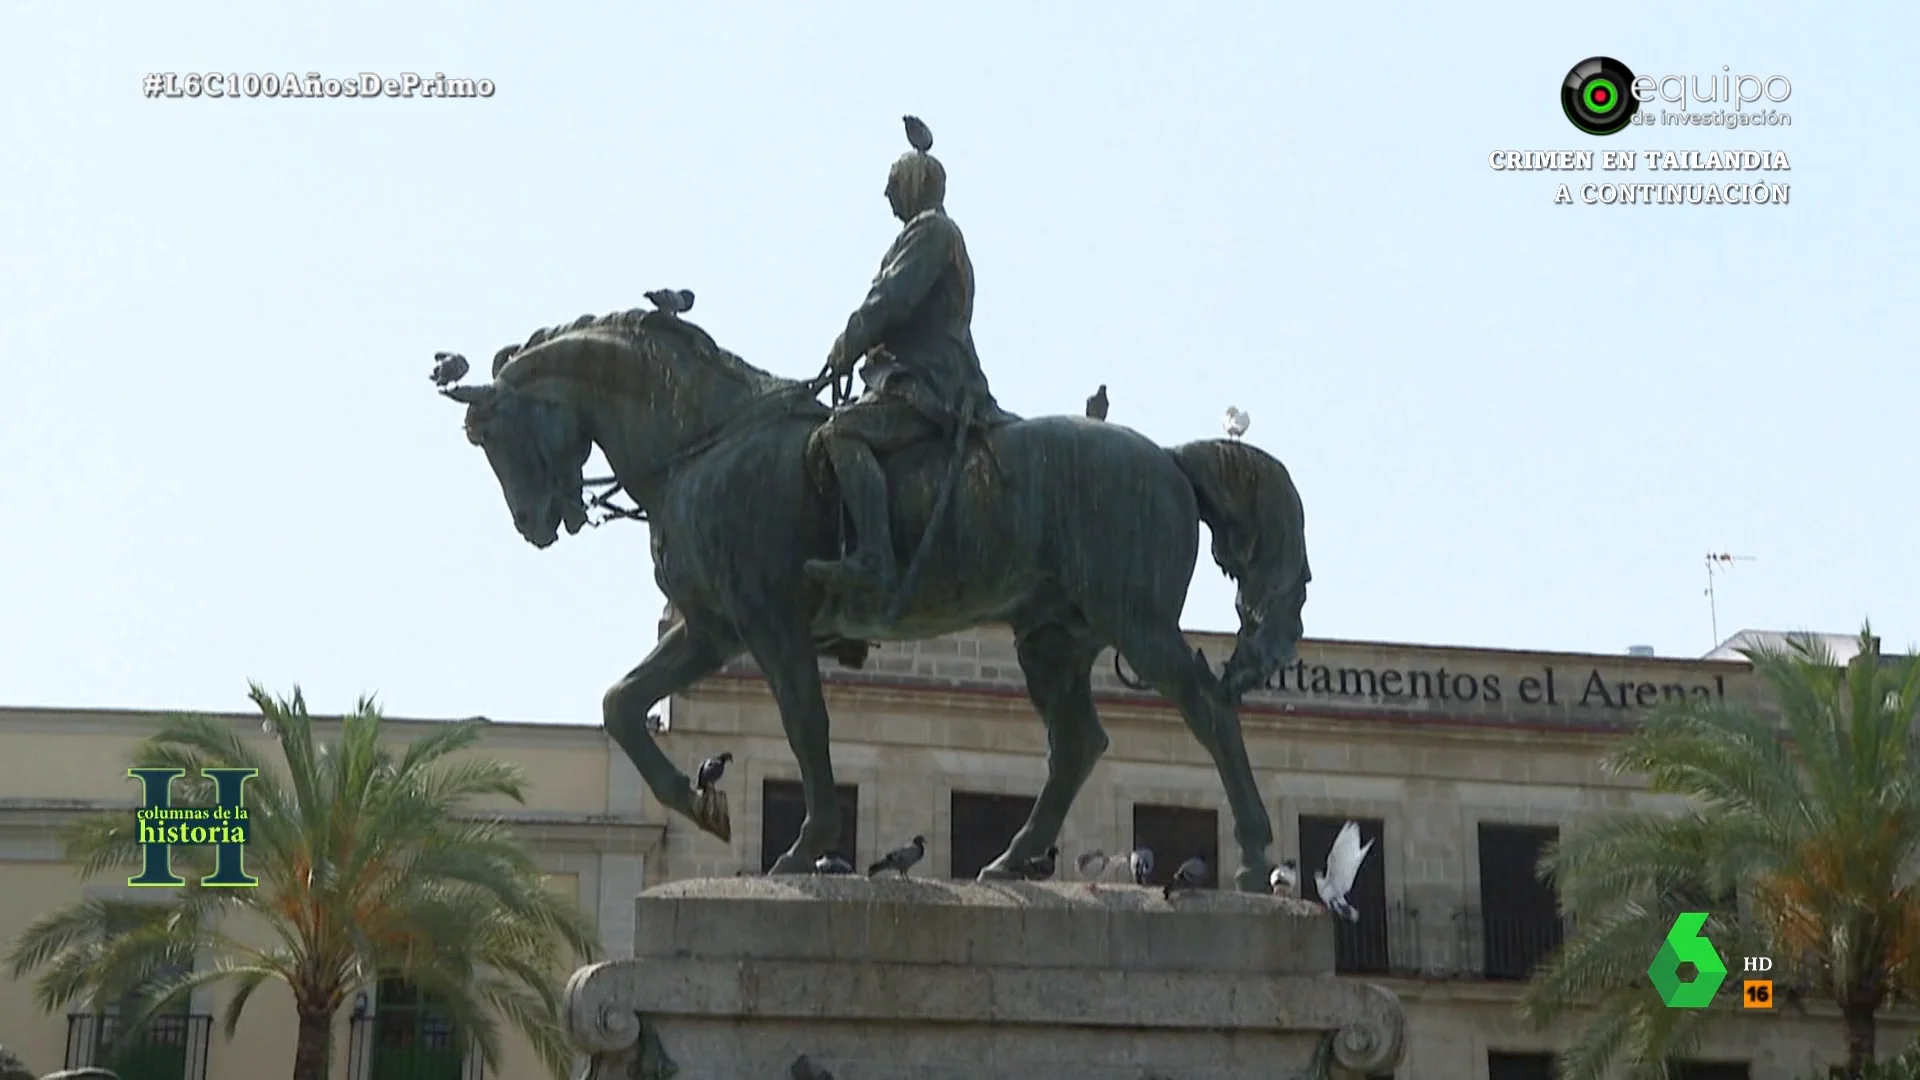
<point>1097,404</point>
<point>901,859</point>
<point>919,135</point>
<point>1236,422</point>
<point>1041,867</point>
<point>1343,863</point>
<point>711,771</point>
<point>448,368</point>
<point>1285,878</point>
<point>672,301</point>
<point>1141,863</point>
<point>803,1068</point>
<point>1191,875</point>
<point>1091,864</point>
<point>831,863</point>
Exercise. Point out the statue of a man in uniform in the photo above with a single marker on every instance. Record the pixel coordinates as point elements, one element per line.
<point>923,377</point>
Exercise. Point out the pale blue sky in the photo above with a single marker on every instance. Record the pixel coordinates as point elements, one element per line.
<point>1514,424</point>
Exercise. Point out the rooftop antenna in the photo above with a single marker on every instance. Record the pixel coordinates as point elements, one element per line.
<point>1719,563</point>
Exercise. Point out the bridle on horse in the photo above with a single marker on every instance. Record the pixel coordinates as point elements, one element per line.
<point>610,486</point>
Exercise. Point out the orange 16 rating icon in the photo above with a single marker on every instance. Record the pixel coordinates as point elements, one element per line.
<point>1757,994</point>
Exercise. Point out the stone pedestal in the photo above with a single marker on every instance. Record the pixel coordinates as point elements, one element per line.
<point>737,978</point>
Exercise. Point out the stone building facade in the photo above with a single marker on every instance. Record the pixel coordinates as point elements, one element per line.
<point>1457,762</point>
<point>584,821</point>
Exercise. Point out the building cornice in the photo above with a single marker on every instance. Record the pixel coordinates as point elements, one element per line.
<point>597,832</point>
<point>499,733</point>
<point>994,702</point>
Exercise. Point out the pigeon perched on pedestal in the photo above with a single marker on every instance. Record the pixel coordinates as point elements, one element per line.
<point>448,368</point>
<point>1097,404</point>
<point>1285,879</point>
<point>1091,864</point>
<point>1141,863</point>
<point>1191,875</point>
<point>672,301</point>
<point>803,1068</point>
<point>832,863</point>
<point>1343,864</point>
<point>1041,867</point>
<point>901,859</point>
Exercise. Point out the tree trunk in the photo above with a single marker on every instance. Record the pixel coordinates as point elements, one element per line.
<point>313,1050</point>
<point>1859,1021</point>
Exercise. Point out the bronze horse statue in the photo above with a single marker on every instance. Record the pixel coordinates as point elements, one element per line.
<point>1079,535</point>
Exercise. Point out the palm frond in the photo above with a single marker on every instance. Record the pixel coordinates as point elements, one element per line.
<point>1801,839</point>
<point>372,863</point>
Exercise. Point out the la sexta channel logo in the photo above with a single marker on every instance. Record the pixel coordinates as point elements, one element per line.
<point>1598,95</point>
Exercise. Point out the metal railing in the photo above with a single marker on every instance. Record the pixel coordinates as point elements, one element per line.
<point>172,1047</point>
<point>410,1045</point>
<point>1378,944</point>
<point>1505,947</point>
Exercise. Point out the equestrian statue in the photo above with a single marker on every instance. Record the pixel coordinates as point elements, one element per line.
<point>786,529</point>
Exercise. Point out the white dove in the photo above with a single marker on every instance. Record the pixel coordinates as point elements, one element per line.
<point>1236,422</point>
<point>1343,863</point>
<point>1285,878</point>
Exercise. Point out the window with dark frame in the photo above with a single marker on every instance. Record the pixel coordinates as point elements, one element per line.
<point>1503,1065</point>
<point>160,1050</point>
<point>982,826</point>
<point>783,806</point>
<point>1175,834</point>
<point>414,1037</point>
<point>1710,1070</point>
<point>1360,948</point>
<point>1520,916</point>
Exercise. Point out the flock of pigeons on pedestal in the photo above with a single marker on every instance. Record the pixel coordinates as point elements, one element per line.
<point>1333,882</point>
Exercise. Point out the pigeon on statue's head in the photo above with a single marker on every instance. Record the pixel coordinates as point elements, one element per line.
<point>919,135</point>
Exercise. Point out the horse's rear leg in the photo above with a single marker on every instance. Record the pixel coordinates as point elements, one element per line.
<point>1058,663</point>
<point>792,669</point>
<point>681,658</point>
<point>1160,656</point>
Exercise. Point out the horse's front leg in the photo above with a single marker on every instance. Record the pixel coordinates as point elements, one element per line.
<point>681,658</point>
<point>1058,663</point>
<point>793,674</point>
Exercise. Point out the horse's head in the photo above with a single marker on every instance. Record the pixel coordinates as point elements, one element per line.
<point>537,448</point>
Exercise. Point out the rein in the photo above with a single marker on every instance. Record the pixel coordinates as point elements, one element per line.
<point>611,486</point>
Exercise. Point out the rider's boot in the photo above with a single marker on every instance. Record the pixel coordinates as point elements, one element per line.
<point>863,488</point>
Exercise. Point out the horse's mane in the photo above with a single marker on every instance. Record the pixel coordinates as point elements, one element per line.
<point>656,335</point>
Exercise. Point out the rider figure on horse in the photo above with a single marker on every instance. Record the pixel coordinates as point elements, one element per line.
<point>923,378</point>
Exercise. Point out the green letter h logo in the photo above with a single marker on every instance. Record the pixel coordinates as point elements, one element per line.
<point>1687,945</point>
<point>162,825</point>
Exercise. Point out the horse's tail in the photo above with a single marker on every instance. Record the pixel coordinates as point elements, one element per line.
<point>1249,502</point>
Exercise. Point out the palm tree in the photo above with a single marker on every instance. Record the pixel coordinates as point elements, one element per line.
<point>370,864</point>
<point>1800,841</point>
